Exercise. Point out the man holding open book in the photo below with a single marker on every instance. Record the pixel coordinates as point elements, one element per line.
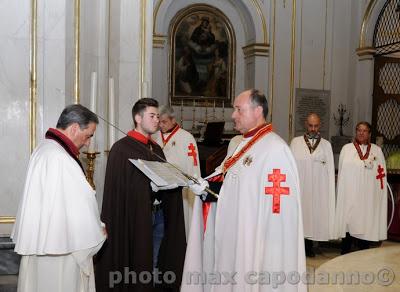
<point>146,232</point>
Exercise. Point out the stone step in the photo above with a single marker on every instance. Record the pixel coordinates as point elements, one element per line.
<point>8,283</point>
<point>6,243</point>
<point>9,260</point>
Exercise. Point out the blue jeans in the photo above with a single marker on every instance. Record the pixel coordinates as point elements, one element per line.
<point>158,233</point>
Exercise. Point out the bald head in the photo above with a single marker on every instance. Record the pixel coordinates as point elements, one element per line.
<point>313,123</point>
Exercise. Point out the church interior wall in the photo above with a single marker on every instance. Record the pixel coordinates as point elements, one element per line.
<point>312,44</point>
<point>243,25</point>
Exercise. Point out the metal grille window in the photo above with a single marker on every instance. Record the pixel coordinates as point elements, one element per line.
<point>389,119</point>
<point>389,78</point>
<point>386,96</point>
<point>387,29</point>
<point>386,103</point>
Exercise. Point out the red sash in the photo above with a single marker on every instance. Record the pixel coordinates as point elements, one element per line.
<point>358,148</point>
<point>266,129</point>
<point>165,141</point>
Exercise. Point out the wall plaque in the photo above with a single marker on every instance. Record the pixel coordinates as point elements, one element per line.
<point>311,100</point>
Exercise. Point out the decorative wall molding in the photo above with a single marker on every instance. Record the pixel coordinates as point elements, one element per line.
<point>256,49</point>
<point>367,15</point>
<point>366,53</point>
<point>7,219</point>
<point>159,41</point>
<point>33,77</point>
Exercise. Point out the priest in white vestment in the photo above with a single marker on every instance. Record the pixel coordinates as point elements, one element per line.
<point>258,242</point>
<point>314,158</point>
<point>180,149</point>
<point>361,211</point>
<point>58,228</point>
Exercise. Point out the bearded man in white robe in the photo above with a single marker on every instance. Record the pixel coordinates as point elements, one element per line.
<point>180,149</point>
<point>258,235</point>
<point>361,212</point>
<point>58,228</point>
<point>314,158</point>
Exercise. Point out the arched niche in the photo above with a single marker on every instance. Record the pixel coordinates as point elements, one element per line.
<point>370,17</point>
<point>249,25</point>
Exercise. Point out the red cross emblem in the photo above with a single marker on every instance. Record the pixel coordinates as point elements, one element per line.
<point>193,153</point>
<point>276,190</point>
<point>380,175</point>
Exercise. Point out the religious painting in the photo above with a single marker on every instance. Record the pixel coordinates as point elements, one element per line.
<point>202,56</point>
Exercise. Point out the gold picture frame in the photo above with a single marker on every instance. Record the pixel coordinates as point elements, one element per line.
<point>202,57</point>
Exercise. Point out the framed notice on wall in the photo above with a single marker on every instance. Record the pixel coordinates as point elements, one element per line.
<point>316,101</point>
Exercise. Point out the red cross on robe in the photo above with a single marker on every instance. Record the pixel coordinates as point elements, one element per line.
<point>193,153</point>
<point>380,175</point>
<point>276,190</point>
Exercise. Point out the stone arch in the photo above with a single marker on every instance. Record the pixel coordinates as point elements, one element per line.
<point>253,21</point>
<point>370,17</point>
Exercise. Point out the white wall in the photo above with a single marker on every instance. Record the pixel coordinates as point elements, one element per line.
<point>325,38</point>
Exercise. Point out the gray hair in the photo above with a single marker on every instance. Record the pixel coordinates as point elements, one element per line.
<point>167,110</point>
<point>76,113</point>
<point>258,99</point>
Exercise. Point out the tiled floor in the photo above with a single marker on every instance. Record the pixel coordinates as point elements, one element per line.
<point>373,270</point>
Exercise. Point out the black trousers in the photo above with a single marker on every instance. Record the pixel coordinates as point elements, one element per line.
<point>348,241</point>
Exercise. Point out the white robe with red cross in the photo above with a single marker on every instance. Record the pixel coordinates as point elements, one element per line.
<point>180,149</point>
<point>361,195</point>
<point>255,237</point>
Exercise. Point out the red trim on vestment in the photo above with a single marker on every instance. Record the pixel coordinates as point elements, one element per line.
<point>140,137</point>
<point>217,178</point>
<point>252,132</point>
<point>264,130</point>
<point>206,209</point>
<point>66,140</point>
<point>173,132</point>
<point>358,148</point>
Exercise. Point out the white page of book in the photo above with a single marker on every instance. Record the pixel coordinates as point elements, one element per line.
<point>160,173</point>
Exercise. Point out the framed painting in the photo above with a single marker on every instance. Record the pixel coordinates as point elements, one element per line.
<point>202,59</point>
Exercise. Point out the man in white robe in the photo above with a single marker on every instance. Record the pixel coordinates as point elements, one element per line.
<point>201,241</point>
<point>258,240</point>
<point>180,149</point>
<point>361,210</point>
<point>58,228</point>
<point>314,158</point>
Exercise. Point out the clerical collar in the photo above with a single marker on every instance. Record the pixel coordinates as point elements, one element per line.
<point>53,134</point>
<point>140,137</point>
<point>362,156</point>
<point>66,143</point>
<point>252,132</point>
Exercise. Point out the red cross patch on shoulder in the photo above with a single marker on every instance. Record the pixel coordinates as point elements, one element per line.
<point>192,153</point>
<point>276,177</point>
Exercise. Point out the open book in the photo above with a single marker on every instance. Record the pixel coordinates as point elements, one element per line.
<point>161,173</point>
